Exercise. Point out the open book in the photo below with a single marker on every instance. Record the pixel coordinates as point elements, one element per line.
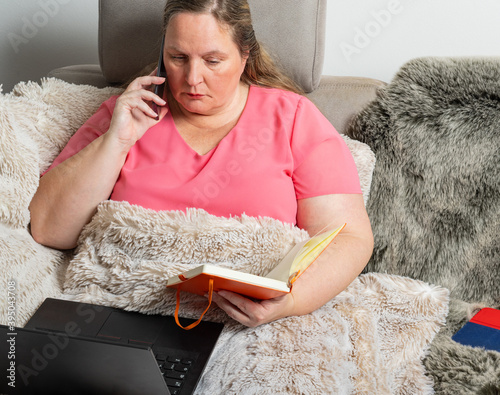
<point>207,278</point>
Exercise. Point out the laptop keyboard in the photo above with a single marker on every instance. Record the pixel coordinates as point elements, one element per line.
<point>175,366</point>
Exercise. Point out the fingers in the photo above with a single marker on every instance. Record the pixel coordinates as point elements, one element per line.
<point>239,308</point>
<point>231,310</point>
<point>145,82</point>
<point>139,90</point>
<point>146,109</point>
<point>254,313</point>
<point>137,99</point>
<point>133,115</point>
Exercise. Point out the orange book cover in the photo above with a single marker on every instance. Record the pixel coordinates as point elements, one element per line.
<point>278,282</point>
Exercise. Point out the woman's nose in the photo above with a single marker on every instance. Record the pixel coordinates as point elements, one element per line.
<point>194,73</point>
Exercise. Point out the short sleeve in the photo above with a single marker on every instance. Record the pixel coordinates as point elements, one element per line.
<point>94,127</point>
<point>323,164</point>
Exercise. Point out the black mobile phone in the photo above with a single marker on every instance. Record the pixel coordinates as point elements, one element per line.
<point>160,72</point>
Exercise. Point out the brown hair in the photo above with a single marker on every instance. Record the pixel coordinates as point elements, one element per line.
<point>260,68</point>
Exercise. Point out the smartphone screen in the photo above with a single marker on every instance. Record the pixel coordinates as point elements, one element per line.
<point>160,72</point>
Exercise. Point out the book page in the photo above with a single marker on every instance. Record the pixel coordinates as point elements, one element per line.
<point>302,255</point>
<point>282,270</point>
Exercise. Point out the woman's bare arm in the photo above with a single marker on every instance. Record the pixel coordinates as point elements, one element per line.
<point>68,194</point>
<point>330,274</point>
<point>345,257</point>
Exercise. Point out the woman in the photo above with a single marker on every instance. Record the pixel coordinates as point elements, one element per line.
<point>232,138</point>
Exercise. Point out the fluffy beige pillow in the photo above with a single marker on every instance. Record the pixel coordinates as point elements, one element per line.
<point>36,122</point>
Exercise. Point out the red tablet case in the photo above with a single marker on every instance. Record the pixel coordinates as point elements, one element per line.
<point>483,330</point>
<point>487,317</point>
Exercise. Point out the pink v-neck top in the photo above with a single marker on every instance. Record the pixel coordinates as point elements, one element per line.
<point>282,149</point>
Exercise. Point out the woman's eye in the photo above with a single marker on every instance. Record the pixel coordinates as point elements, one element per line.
<point>177,58</point>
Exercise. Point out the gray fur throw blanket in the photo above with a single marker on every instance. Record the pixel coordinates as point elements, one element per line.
<point>435,195</point>
<point>435,198</point>
<point>370,339</point>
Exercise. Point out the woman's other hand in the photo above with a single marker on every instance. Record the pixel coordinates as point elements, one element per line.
<point>331,273</point>
<point>253,313</point>
<point>132,115</point>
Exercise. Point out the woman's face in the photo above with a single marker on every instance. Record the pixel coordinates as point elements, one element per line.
<point>203,63</point>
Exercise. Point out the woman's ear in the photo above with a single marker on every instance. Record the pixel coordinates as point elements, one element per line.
<point>244,58</point>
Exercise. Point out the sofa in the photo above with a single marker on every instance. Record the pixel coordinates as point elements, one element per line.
<point>427,150</point>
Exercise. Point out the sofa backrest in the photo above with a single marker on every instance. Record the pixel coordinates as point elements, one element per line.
<point>292,31</point>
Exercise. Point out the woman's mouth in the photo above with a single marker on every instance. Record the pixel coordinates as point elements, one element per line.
<point>195,95</point>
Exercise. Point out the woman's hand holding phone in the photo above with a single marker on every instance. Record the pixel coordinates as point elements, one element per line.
<point>132,115</point>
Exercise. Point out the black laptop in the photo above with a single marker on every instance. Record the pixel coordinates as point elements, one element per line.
<point>78,348</point>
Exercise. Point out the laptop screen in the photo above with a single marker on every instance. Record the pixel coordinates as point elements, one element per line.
<point>55,363</point>
<point>180,355</point>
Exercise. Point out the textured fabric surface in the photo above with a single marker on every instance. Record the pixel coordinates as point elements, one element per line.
<point>35,271</point>
<point>435,198</point>
<point>36,121</point>
<point>340,99</point>
<point>458,369</point>
<point>435,195</point>
<point>369,339</point>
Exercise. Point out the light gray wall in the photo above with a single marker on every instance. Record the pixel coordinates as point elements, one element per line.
<point>370,38</point>
<point>37,36</point>
<point>373,38</point>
